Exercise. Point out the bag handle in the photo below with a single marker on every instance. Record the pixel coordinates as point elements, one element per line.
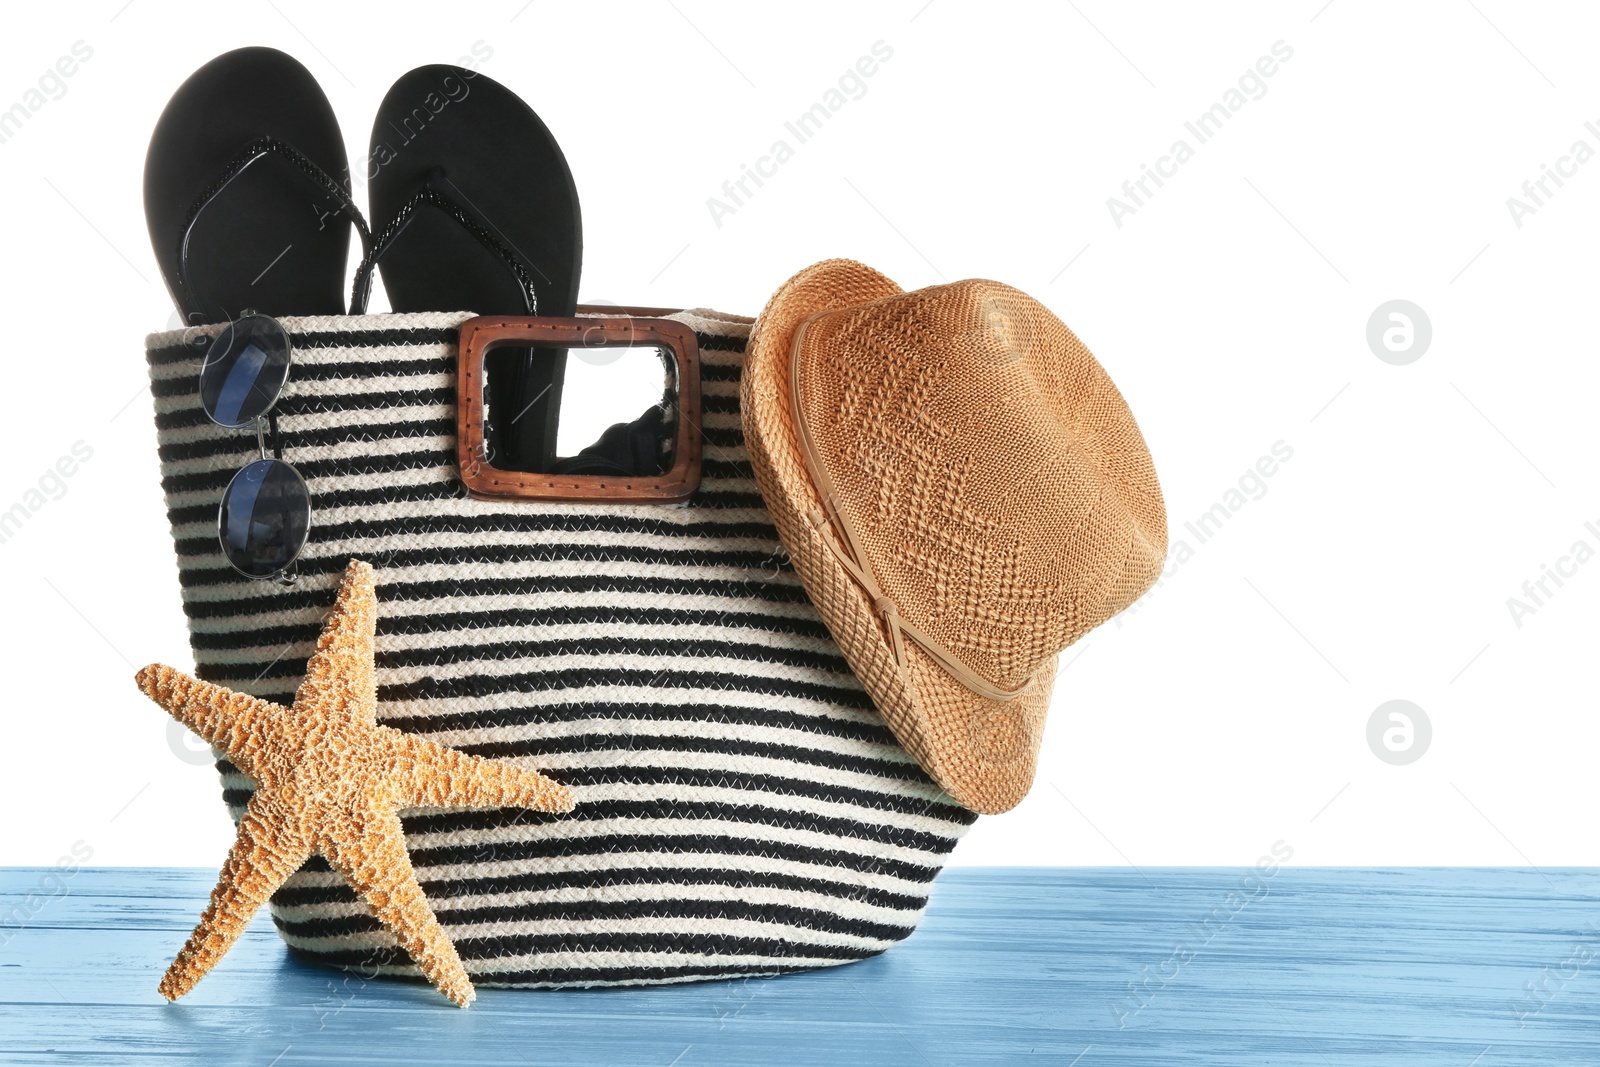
<point>606,330</point>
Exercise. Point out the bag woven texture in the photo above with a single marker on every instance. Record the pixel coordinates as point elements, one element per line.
<point>742,808</point>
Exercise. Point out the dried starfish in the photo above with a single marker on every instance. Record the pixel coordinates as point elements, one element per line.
<point>331,780</point>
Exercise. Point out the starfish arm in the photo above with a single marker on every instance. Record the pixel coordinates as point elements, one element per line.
<point>341,674</point>
<point>377,866</point>
<point>234,722</point>
<point>264,855</point>
<point>433,776</point>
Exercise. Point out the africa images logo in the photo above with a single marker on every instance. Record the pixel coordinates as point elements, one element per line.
<point>51,85</point>
<point>1252,85</point>
<point>851,85</point>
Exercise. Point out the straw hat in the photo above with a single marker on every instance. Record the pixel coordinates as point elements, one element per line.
<point>963,492</point>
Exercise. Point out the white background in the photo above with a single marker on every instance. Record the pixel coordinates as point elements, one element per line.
<point>1229,710</point>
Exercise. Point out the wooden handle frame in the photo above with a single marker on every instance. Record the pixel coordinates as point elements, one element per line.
<point>481,335</point>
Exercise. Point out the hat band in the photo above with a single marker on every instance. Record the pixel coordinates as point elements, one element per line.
<point>836,533</point>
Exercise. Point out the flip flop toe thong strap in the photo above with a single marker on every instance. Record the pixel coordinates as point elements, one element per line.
<point>467,220</point>
<point>248,155</point>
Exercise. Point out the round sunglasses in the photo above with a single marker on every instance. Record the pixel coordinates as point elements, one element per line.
<point>265,515</point>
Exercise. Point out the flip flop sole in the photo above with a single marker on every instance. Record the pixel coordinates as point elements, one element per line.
<point>234,222</point>
<point>480,145</point>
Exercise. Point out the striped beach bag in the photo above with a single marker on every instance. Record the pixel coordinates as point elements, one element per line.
<point>741,807</point>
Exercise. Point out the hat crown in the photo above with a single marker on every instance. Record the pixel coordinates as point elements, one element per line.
<point>985,465</point>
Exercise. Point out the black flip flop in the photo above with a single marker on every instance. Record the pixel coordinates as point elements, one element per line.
<point>480,213</point>
<point>246,191</point>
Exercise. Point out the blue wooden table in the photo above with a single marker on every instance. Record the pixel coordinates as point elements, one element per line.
<point>1080,966</point>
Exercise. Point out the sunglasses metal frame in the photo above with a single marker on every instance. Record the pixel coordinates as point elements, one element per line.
<point>287,574</point>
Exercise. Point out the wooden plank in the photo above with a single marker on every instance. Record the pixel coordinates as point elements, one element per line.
<point>1313,966</point>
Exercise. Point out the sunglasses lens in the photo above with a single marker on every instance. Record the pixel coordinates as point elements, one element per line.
<point>264,518</point>
<point>244,371</point>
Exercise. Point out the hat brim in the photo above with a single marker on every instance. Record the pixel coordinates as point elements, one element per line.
<point>982,752</point>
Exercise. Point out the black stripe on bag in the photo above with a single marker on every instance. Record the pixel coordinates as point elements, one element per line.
<point>368,433</point>
<point>338,467</point>
<point>662,769</point>
<point>395,592</point>
<point>443,487</point>
<point>274,637</point>
<point>728,373</point>
<point>757,815</point>
<point>873,732</point>
<point>600,977</point>
<point>788,945</point>
<point>713,536</point>
<point>770,783</point>
<point>302,373</point>
<point>726,649</point>
<point>640,911</point>
<point>239,677</point>
<point>480,555</point>
<point>717,849</point>
<point>850,696</point>
<point>365,959</point>
<point>376,338</point>
<point>615,880</point>
<point>711,342</point>
<point>327,404</point>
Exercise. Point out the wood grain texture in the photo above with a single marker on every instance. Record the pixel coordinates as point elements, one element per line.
<point>481,335</point>
<point>1318,966</point>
